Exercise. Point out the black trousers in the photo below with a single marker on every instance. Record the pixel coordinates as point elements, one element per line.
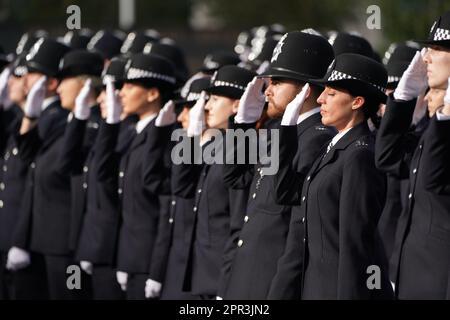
<point>136,286</point>
<point>60,277</point>
<point>105,285</point>
<point>29,283</point>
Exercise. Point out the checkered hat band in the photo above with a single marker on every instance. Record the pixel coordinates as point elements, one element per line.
<point>20,71</point>
<point>441,34</point>
<point>337,75</point>
<point>393,79</point>
<point>193,96</point>
<point>219,83</point>
<point>135,73</point>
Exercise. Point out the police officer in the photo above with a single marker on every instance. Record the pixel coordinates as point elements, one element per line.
<point>339,215</point>
<point>47,195</point>
<point>422,233</point>
<point>182,202</point>
<point>148,84</point>
<point>97,244</point>
<point>79,73</point>
<point>297,57</point>
<point>397,59</point>
<point>25,278</point>
<point>218,210</point>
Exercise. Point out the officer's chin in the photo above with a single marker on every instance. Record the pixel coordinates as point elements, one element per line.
<point>274,112</point>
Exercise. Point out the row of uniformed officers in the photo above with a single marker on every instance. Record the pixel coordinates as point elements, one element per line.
<point>359,207</point>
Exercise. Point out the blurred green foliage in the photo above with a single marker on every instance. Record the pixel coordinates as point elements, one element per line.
<point>400,19</point>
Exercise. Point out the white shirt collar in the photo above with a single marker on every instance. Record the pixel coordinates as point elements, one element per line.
<point>141,124</point>
<point>48,101</point>
<point>337,137</point>
<point>307,114</point>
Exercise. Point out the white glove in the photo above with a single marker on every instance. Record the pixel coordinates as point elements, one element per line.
<point>82,108</point>
<point>113,104</point>
<point>219,298</point>
<point>263,67</point>
<point>167,115</point>
<point>17,259</point>
<point>4,77</point>
<point>197,117</point>
<point>35,98</point>
<point>293,108</point>
<point>122,279</point>
<point>414,80</point>
<point>252,102</point>
<point>86,266</point>
<point>152,289</point>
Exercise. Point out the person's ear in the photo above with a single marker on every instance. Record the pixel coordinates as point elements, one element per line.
<point>153,94</point>
<point>235,106</point>
<point>52,84</point>
<point>358,102</point>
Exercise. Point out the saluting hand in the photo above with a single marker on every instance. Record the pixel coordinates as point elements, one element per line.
<point>113,104</point>
<point>292,111</point>
<point>197,117</point>
<point>414,80</point>
<point>4,77</point>
<point>252,102</point>
<point>167,115</point>
<point>82,108</point>
<point>35,98</point>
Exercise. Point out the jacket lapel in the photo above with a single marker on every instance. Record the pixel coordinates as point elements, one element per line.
<point>354,134</point>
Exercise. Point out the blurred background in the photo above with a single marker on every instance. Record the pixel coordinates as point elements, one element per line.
<point>202,26</point>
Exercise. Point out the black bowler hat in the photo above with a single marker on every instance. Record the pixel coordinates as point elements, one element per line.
<point>106,43</point>
<point>80,62</point>
<point>173,53</point>
<point>243,41</point>
<point>262,49</point>
<point>150,70</point>
<point>115,72</point>
<point>397,59</point>
<point>216,60</point>
<point>300,56</point>
<point>230,81</point>
<point>77,39</point>
<point>190,97</point>
<point>27,40</point>
<point>269,31</point>
<point>358,74</point>
<point>439,33</point>
<point>4,60</point>
<point>350,43</point>
<point>45,55</point>
<point>136,41</point>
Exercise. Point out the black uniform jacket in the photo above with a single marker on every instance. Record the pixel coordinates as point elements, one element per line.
<point>45,217</point>
<point>76,159</point>
<point>420,262</point>
<point>12,175</point>
<point>263,236</point>
<point>141,181</point>
<point>100,226</point>
<point>217,209</point>
<point>333,244</point>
